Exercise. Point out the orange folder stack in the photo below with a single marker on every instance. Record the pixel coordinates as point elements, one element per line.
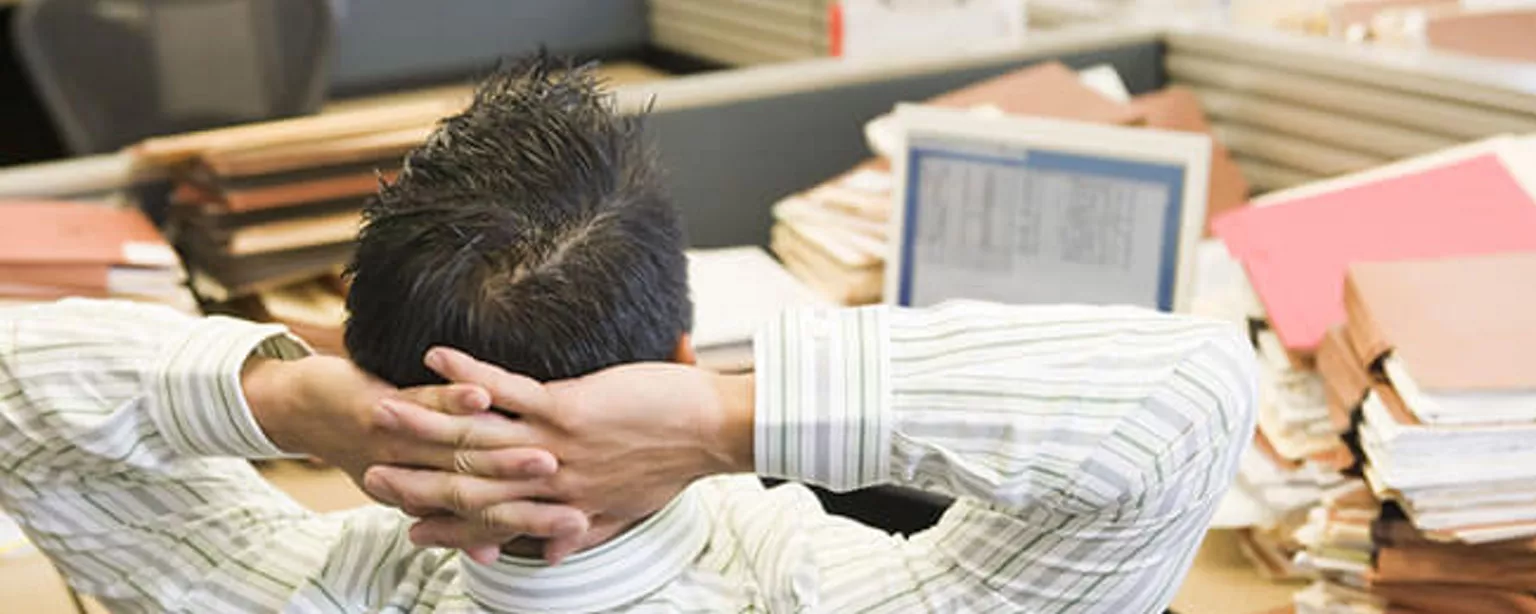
<point>1447,426</point>
<point>54,250</point>
<point>267,215</point>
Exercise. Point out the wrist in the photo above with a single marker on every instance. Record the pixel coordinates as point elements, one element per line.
<point>271,388</point>
<point>731,442</point>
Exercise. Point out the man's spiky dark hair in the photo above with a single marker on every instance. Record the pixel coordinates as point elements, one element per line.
<point>530,230</point>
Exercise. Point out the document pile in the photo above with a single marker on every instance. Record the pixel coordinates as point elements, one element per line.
<point>1397,320</point>
<point>1448,429</point>
<point>1299,476</point>
<point>736,291</point>
<point>267,214</point>
<point>834,236</point>
<point>54,250</point>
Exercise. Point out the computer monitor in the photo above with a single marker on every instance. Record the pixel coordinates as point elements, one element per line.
<point>1026,210</point>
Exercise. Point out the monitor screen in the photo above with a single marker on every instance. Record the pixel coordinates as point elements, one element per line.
<point>1021,224</point>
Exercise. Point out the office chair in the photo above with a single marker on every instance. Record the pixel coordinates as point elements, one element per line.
<point>113,72</point>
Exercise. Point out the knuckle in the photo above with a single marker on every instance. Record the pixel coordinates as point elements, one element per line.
<point>571,420</point>
<point>373,427</point>
<point>393,452</point>
<point>497,520</point>
<point>459,498</point>
<point>464,439</point>
<point>566,486</point>
<point>464,462</point>
<point>409,499</point>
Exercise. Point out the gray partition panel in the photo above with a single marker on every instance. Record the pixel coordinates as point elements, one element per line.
<point>728,163</point>
<point>382,44</point>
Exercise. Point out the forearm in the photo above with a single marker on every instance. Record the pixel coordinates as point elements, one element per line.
<point>1108,434</point>
<point>104,408</point>
<point>730,435</point>
<point>1084,409</point>
<point>270,386</point>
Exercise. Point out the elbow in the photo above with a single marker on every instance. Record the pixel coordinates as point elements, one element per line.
<point>1184,439</point>
<point>1216,388</point>
<point>1234,375</point>
<point>1208,408</point>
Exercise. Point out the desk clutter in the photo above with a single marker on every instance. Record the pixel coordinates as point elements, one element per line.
<point>266,215</point>
<point>1394,462</point>
<point>833,236</point>
<point>1495,29</point>
<point>1391,468</point>
<point>54,250</point>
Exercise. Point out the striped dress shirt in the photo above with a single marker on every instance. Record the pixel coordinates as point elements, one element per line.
<point>1087,447</point>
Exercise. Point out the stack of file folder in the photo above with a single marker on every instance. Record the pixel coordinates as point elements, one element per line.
<point>257,219</point>
<point>267,215</point>
<point>1430,358</point>
<point>834,235</point>
<point>54,250</point>
<point>1299,471</point>
<point>1450,430</point>
<point>1395,355</point>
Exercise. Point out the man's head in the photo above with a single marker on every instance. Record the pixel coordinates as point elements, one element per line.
<point>530,231</point>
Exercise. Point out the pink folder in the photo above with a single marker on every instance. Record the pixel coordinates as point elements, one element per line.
<point>1297,252</point>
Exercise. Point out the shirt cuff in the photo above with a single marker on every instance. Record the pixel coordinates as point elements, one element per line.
<point>823,398</point>
<point>202,409</point>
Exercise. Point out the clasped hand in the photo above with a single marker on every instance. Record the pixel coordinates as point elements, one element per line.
<point>494,456</point>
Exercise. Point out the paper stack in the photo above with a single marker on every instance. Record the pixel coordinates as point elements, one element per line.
<point>1448,427</point>
<point>1407,237</point>
<point>53,250</point>
<point>834,236</point>
<point>252,219</point>
<point>736,291</point>
<point>1451,432</point>
<point>266,215</point>
<point>1298,474</point>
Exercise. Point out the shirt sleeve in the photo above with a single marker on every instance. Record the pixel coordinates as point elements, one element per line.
<point>113,417</point>
<point>1088,446</point>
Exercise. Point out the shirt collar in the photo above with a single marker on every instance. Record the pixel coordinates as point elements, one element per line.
<point>620,571</point>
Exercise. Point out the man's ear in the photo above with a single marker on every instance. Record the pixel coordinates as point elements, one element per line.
<point>683,354</point>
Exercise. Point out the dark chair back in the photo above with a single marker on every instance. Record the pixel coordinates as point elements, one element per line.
<point>113,72</point>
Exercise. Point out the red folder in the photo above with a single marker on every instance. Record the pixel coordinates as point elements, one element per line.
<point>1297,252</point>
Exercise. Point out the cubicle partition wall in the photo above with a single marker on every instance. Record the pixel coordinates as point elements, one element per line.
<point>734,142</point>
<point>1295,109</point>
<point>1292,109</point>
<point>384,45</point>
